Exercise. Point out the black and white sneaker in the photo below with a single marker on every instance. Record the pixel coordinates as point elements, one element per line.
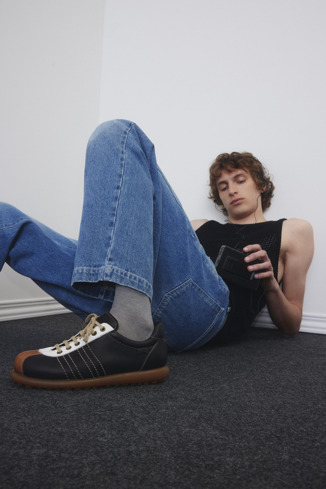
<point>97,356</point>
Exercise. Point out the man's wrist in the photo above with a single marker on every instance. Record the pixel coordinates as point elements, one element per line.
<point>272,288</point>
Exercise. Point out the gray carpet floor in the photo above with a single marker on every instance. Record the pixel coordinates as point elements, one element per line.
<point>246,415</point>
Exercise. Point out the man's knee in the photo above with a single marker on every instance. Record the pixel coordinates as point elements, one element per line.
<point>110,130</point>
<point>9,214</point>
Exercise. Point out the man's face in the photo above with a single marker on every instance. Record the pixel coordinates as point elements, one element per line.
<point>238,193</point>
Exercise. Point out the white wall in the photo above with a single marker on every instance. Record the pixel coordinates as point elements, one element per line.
<point>50,58</point>
<point>207,76</point>
<point>200,76</point>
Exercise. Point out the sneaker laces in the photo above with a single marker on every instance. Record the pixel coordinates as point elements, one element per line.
<point>89,329</point>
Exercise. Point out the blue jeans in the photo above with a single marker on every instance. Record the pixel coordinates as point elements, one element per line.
<point>133,232</point>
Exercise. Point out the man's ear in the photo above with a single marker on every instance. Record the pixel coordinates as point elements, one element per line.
<point>263,185</point>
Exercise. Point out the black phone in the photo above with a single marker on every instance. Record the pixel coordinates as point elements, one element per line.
<point>230,265</point>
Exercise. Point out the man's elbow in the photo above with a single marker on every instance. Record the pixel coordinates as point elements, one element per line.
<point>289,329</point>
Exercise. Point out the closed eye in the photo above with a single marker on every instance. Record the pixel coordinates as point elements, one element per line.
<point>241,179</point>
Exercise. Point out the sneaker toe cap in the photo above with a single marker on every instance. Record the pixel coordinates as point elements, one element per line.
<point>20,359</point>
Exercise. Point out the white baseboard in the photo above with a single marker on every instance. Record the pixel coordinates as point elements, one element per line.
<point>311,323</point>
<point>29,308</point>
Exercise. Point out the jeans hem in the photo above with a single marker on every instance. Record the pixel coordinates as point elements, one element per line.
<point>93,275</point>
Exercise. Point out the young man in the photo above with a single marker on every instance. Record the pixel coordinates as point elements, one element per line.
<point>139,267</point>
<point>278,252</point>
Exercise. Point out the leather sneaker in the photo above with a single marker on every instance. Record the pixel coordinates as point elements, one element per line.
<point>97,356</point>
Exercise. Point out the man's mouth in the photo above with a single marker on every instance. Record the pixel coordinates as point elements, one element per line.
<point>236,201</point>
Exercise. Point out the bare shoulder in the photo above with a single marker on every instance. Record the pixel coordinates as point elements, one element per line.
<point>294,229</point>
<point>197,223</point>
<point>297,237</point>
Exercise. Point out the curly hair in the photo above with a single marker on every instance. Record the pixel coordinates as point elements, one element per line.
<point>247,161</point>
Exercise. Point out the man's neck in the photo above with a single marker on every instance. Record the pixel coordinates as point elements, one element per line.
<point>251,219</point>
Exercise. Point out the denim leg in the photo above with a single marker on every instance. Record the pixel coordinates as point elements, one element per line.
<point>115,243</point>
<point>47,257</point>
<point>134,232</point>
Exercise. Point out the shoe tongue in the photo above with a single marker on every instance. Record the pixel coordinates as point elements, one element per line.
<point>108,319</point>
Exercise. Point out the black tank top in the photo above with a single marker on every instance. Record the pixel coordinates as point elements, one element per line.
<point>245,304</point>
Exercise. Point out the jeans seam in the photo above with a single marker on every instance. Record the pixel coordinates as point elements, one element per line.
<point>12,225</point>
<point>123,161</point>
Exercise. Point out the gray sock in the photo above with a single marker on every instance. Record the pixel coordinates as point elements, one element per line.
<point>132,309</point>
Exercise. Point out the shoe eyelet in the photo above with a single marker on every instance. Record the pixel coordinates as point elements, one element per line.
<point>95,333</point>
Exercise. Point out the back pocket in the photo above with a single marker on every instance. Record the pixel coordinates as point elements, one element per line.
<point>190,316</point>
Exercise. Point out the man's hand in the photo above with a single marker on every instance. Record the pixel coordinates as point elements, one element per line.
<point>264,269</point>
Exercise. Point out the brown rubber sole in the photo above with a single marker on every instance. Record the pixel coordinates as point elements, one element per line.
<point>129,378</point>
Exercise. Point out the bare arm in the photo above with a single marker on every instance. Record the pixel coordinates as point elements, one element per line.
<point>285,306</point>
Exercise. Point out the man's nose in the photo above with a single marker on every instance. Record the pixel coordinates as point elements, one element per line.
<point>232,189</point>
